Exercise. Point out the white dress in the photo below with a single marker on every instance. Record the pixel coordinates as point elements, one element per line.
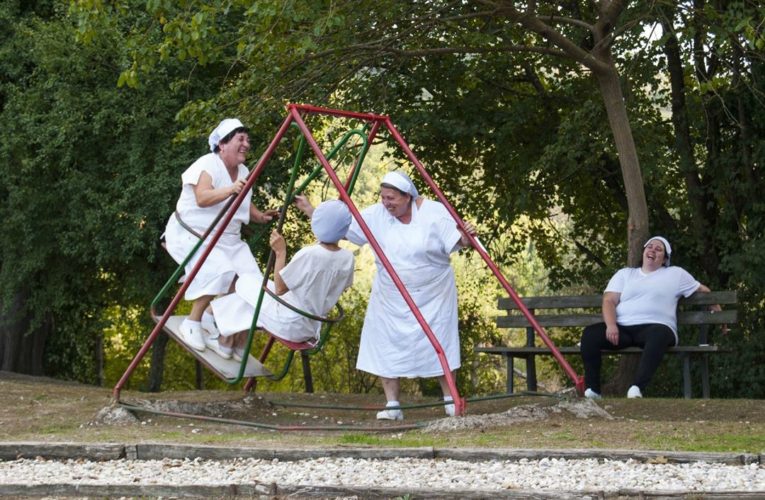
<point>231,256</point>
<point>315,276</point>
<point>393,344</point>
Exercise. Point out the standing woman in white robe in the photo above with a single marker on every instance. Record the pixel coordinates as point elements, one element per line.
<point>207,185</point>
<point>417,236</point>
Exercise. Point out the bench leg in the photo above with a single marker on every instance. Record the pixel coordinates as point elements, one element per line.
<point>705,376</point>
<point>686,376</point>
<point>510,372</point>
<point>531,373</point>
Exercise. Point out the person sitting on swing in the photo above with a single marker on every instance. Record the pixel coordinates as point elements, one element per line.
<point>312,281</point>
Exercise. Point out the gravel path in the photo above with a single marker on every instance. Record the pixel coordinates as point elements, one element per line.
<point>548,474</point>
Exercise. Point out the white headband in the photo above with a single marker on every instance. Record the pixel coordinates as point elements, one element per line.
<point>400,181</point>
<point>667,247</point>
<point>222,130</point>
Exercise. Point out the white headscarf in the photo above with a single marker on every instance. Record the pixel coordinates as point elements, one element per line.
<point>222,130</point>
<point>330,221</point>
<point>667,247</point>
<point>401,181</point>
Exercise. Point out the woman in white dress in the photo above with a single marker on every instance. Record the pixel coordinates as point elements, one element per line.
<point>417,236</point>
<point>207,185</point>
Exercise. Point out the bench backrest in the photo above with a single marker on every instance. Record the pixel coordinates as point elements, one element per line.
<point>685,315</point>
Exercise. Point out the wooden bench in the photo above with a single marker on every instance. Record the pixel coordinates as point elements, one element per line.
<point>691,311</point>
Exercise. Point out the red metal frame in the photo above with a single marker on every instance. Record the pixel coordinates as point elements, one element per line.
<point>295,114</point>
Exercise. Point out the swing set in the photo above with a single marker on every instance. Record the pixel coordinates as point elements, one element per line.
<point>233,371</point>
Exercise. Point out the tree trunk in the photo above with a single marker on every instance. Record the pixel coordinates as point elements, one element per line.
<point>22,350</point>
<point>157,368</point>
<point>702,219</point>
<point>637,207</point>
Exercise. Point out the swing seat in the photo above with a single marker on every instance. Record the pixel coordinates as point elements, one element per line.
<point>225,368</point>
<point>293,346</point>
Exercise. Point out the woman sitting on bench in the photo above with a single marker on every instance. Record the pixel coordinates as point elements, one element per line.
<point>639,309</point>
<point>312,281</point>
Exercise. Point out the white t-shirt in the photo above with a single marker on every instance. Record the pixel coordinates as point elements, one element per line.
<point>200,218</point>
<point>316,277</point>
<point>651,298</point>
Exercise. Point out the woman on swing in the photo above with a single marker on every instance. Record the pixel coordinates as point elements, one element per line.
<point>312,281</point>
<point>207,185</point>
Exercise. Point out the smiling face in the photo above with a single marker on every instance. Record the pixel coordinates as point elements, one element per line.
<point>395,202</point>
<point>234,151</point>
<point>654,255</point>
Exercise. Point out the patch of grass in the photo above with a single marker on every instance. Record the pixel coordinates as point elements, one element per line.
<point>712,442</point>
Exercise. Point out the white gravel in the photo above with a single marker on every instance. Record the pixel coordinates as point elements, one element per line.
<point>581,475</point>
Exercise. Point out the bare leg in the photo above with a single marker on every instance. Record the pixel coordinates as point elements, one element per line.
<point>391,388</point>
<point>235,340</point>
<point>445,386</point>
<point>198,307</point>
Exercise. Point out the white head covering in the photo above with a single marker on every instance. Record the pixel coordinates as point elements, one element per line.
<point>667,247</point>
<point>330,221</point>
<point>222,130</point>
<point>400,181</point>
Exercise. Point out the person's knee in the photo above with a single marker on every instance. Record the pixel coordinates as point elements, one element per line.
<point>592,337</point>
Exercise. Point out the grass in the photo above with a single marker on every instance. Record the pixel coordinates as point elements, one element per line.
<point>39,409</point>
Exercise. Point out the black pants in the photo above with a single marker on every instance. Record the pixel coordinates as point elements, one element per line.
<point>654,338</point>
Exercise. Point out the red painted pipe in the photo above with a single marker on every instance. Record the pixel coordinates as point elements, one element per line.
<point>578,381</point>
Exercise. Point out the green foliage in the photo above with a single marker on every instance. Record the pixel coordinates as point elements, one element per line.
<point>516,139</point>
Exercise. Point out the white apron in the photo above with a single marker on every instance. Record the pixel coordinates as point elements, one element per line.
<point>393,344</point>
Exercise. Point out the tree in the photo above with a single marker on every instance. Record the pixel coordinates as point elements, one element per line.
<point>495,98</point>
<point>86,181</point>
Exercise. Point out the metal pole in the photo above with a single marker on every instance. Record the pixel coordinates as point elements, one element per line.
<point>174,303</point>
<point>459,403</point>
<point>578,380</point>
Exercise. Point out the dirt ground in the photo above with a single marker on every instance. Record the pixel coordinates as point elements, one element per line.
<point>43,409</point>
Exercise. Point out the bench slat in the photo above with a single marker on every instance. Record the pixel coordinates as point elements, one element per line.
<point>584,319</point>
<point>583,301</point>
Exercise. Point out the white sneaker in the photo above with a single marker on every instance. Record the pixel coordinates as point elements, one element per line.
<point>223,351</point>
<point>208,323</point>
<point>390,415</point>
<point>191,334</point>
<point>449,407</point>
<point>634,392</point>
<point>238,353</point>
<point>590,394</point>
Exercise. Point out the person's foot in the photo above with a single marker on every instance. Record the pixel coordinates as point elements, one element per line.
<point>238,353</point>
<point>390,415</point>
<point>391,412</point>
<point>449,407</point>
<point>223,351</point>
<point>634,392</point>
<point>590,394</point>
<point>191,334</point>
<point>208,323</point>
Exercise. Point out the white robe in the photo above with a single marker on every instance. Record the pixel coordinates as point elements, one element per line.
<point>315,276</point>
<point>231,256</point>
<point>393,344</point>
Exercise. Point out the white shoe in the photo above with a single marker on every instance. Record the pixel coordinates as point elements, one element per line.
<point>223,351</point>
<point>590,394</point>
<point>191,334</point>
<point>390,415</point>
<point>449,407</point>
<point>634,392</point>
<point>238,353</point>
<point>208,323</point>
